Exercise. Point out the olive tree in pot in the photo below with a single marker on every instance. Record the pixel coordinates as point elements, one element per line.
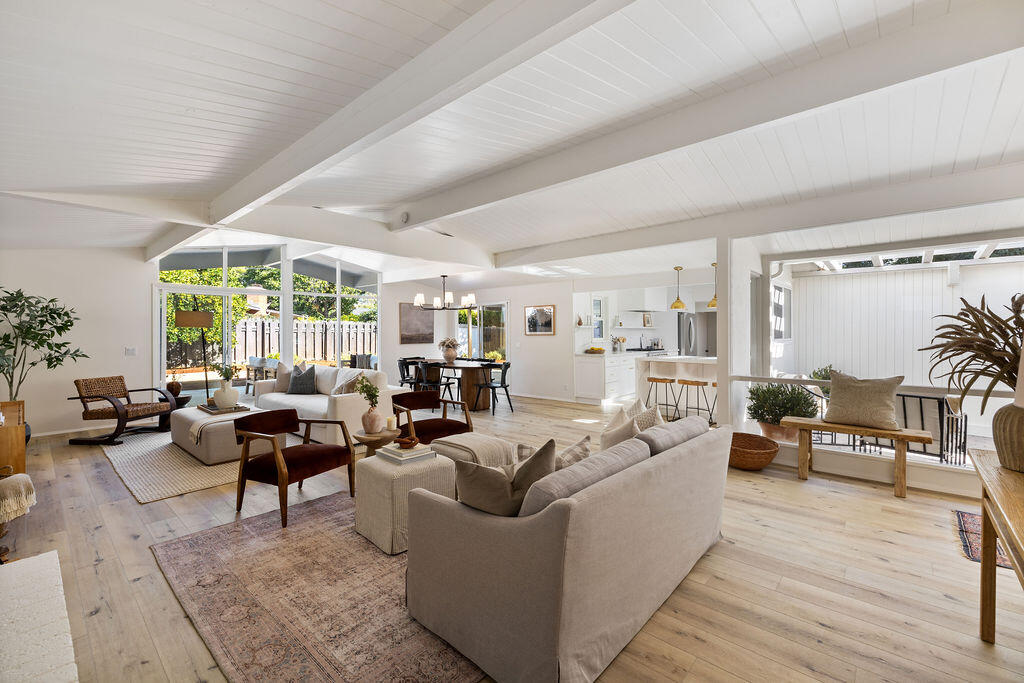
<point>31,328</point>
<point>769,403</point>
<point>979,344</point>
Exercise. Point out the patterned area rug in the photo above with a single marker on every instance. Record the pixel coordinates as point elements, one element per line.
<point>313,602</point>
<point>153,468</point>
<point>968,528</point>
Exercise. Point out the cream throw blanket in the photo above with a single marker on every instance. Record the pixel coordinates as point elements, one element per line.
<point>17,495</point>
<point>195,430</point>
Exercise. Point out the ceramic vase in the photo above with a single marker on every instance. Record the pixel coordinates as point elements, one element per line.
<point>777,433</point>
<point>373,422</point>
<point>450,355</point>
<point>1008,433</point>
<point>225,397</point>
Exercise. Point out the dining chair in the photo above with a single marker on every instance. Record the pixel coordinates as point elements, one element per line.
<point>292,464</point>
<point>442,385</point>
<point>493,386</point>
<point>407,377</point>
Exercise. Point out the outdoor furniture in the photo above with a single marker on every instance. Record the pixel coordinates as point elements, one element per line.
<point>900,437</point>
<point>113,391</point>
<point>12,436</point>
<point>493,386</point>
<point>1002,517</point>
<point>255,369</point>
<point>382,507</point>
<point>216,436</point>
<point>432,428</point>
<point>286,466</point>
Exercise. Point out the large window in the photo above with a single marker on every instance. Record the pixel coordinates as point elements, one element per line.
<point>782,313</point>
<point>489,332</point>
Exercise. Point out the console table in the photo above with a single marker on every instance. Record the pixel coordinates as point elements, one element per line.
<point>12,435</point>
<point>1002,516</point>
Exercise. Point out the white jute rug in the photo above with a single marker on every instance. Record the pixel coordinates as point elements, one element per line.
<point>35,635</point>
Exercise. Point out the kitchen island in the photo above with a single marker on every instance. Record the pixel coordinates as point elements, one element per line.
<point>677,367</point>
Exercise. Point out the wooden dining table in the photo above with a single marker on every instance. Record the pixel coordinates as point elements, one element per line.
<point>471,373</point>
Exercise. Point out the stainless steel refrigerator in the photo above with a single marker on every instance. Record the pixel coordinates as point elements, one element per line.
<point>696,334</point>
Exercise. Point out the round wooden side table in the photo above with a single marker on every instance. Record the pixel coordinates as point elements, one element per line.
<point>374,441</point>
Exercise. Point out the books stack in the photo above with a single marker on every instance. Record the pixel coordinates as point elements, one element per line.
<point>403,456</point>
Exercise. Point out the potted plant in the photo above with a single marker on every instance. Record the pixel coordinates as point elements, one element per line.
<point>769,403</point>
<point>227,396</point>
<point>373,422</point>
<point>979,344</point>
<point>823,373</point>
<point>174,386</point>
<point>449,349</point>
<point>31,328</point>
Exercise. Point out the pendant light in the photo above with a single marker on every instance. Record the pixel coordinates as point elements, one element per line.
<point>445,302</point>
<point>714,300</point>
<point>678,304</point>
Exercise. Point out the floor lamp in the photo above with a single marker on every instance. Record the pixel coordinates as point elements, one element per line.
<point>197,320</point>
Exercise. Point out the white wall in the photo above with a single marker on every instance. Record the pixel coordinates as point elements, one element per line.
<point>542,366</point>
<point>111,291</point>
<point>387,320</point>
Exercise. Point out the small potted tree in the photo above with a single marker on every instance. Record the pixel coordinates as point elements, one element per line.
<point>769,403</point>
<point>31,328</point>
<point>373,422</point>
<point>227,396</point>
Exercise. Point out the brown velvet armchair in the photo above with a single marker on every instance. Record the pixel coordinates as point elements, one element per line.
<point>292,464</point>
<point>431,428</point>
<point>114,391</point>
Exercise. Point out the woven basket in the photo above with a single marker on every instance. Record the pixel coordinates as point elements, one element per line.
<point>751,451</point>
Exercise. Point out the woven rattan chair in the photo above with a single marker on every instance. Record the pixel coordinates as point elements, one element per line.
<point>97,391</point>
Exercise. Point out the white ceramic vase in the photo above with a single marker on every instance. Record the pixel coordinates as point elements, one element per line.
<point>225,397</point>
<point>449,355</point>
<point>373,422</point>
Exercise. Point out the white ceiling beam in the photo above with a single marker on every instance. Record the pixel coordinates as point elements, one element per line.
<point>987,185</point>
<point>170,210</point>
<point>929,254</point>
<point>498,37</point>
<point>965,35</point>
<point>985,250</point>
<point>174,238</point>
<point>332,228</point>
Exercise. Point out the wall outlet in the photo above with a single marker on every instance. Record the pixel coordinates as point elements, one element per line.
<point>129,351</point>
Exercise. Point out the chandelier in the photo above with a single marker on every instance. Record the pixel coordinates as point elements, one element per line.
<point>445,302</point>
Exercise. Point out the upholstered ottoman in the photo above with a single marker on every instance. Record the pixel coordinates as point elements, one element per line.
<point>382,496</point>
<point>476,447</point>
<point>216,437</point>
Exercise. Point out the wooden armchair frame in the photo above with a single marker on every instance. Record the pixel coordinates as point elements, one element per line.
<point>122,417</point>
<point>399,410</point>
<point>247,437</point>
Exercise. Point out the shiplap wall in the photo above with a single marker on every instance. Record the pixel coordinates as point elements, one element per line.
<point>869,324</point>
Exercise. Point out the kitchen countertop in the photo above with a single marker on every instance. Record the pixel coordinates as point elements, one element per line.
<point>617,354</point>
<point>704,360</point>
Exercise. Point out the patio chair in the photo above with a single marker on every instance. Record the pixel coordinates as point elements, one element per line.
<point>115,392</point>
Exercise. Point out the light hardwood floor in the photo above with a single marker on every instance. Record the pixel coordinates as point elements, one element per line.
<point>822,579</point>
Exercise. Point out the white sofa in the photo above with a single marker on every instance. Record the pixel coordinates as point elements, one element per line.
<point>326,406</point>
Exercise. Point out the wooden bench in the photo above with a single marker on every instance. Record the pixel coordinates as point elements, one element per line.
<point>901,437</point>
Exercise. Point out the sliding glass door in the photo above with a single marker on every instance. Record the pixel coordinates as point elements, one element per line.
<point>489,332</point>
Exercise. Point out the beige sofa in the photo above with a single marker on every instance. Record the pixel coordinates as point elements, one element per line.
<point>556,595</point>
<point>325,406</point>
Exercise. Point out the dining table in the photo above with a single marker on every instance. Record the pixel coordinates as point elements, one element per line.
<point>471,373</point>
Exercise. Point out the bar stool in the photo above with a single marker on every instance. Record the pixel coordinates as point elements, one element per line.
<point>669,385</point>
<point>714,404</point>
<point>699,387</point>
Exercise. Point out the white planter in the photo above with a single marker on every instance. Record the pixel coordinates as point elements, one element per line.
<point>225,397</point>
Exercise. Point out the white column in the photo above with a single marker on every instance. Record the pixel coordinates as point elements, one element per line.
<point>337,314</point>
<point>723,279</point>
<point>287,317</point>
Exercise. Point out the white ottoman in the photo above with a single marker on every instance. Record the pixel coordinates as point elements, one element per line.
<point>382,496</point>
<point>476,447</point>
<point>217,439</point>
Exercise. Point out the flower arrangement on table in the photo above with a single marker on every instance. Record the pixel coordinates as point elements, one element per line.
<point>449,347</point>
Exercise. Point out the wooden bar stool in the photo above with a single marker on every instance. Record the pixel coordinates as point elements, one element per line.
<point>669,386</point>
<point>699,389</point>
<point>714,404</point>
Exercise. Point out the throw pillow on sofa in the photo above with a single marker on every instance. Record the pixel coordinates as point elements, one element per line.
<point>284,376</point>
<point>626,413</point>
<point>326,378</point>
<point>303,382</point>
<point>614,435</point>
<point>500,490</point>
<point>863,402</point>
<point>668,435</point>
<point>570,456</point>
<point>346,382</point>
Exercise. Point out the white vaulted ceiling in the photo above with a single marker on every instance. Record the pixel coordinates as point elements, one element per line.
<point>29,224</point>
<point>180,99</point>
<point>650,56</point>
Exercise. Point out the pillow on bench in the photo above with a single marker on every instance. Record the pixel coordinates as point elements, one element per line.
<point>863,402</point>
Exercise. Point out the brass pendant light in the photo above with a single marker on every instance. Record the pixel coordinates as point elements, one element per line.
<point>714,300</point>
<point>678,304</point>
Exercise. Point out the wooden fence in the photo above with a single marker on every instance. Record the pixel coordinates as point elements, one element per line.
<point>314,340</point>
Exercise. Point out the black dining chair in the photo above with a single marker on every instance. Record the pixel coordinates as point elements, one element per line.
<point>493,386</point>
<point>407,373</point>
<point>441,385</point>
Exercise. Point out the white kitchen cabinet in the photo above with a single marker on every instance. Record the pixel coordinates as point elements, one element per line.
<point>643,299</point>
<point>604,376</point>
